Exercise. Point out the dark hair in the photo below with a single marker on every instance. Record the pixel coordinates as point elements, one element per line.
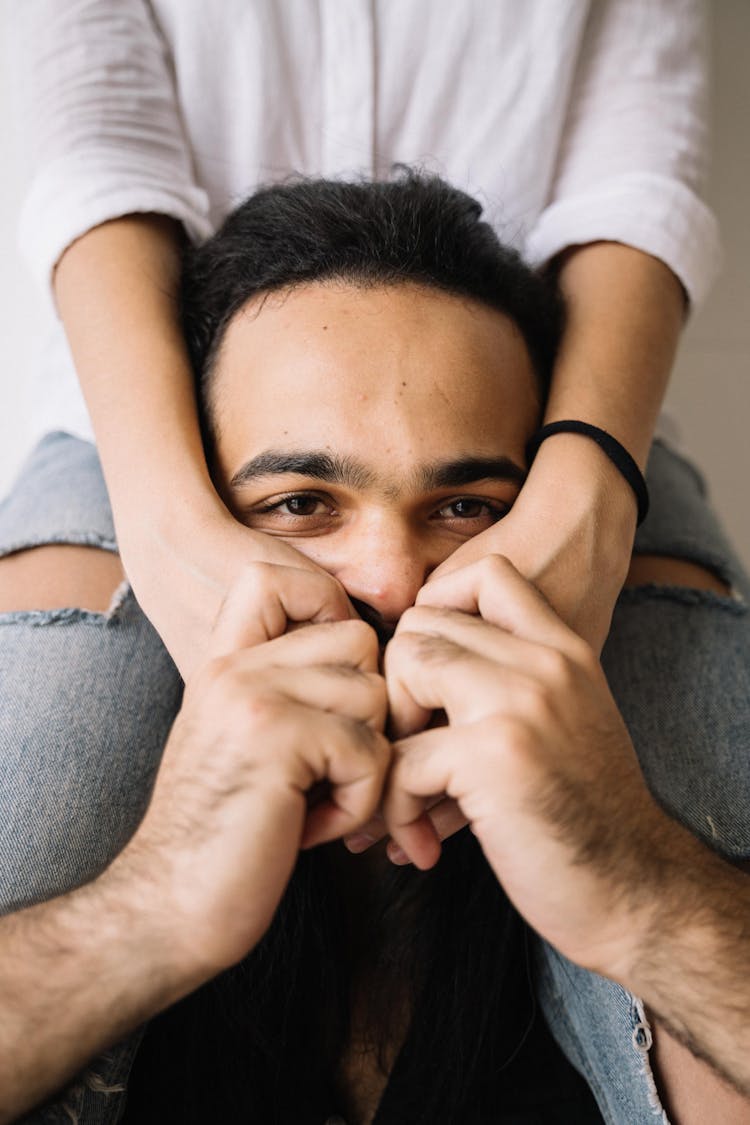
<point>262,1041</point>
<point>415,228</point>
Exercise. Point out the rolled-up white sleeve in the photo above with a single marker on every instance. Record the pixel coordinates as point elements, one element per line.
<point>634,150</point>
<point>98,115</point>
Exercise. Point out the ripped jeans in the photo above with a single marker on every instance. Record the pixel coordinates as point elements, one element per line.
<point>87,701</point>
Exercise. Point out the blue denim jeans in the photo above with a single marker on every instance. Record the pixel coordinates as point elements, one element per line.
<point>87,701</point>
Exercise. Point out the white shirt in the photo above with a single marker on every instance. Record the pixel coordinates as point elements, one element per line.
<point>570,120</point>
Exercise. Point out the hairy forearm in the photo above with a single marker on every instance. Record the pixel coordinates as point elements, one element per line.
<point>116,291</point>
<point>691,963</point>
<point>77,974</point>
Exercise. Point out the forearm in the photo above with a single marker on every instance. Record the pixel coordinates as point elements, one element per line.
<point>691,964</point>
<point>625,311</point>
<point>77,974</point>
<point>116,289</point>
<point>624,314</point>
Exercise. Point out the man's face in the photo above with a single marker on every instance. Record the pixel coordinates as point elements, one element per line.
<point>374,429</point>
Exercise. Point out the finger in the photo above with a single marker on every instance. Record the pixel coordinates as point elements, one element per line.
<point>421,767</point>
<point>483,637</point>
<point>494,589</point>
<point>375,830</point>
<point>356,762</point>
<point>427,671</point>
<point>266,598</point>
<point>350,644</point>
<point>341,690</point>
<point>446,819</point>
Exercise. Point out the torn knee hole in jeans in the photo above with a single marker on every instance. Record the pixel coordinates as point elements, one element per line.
<point>680,579</point>
<point>60,581</point>
<point>71,615</point>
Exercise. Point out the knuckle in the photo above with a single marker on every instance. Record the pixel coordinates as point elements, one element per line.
<point>410,619</point>
<point>558,670</point>
<point>358,630</point>
<point>437,649</point>
<point>420,618</point>
<point>378,694</point>
<point>359,638</point>
<point>228,693</point>
<point>425,648</point>
<point>585,658</point>
<point>513,732</point>
<point>379,750</point>
<point>535,703</point>
<point>260,708</point>
<point>398,649</point>
<point>256,576</point>
<point>496,565</point>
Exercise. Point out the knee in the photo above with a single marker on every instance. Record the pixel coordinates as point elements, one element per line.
<point>663,570</point>
<point>88,698</point>
<point>57,576</point>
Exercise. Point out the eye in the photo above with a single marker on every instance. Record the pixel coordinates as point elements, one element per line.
<point>296,505</point>
<point>298,513</point>
<point>470,508</point>
<point>302,505</point>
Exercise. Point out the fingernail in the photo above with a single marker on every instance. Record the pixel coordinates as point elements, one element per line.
<point>359,843</point>
<point>397,854</point>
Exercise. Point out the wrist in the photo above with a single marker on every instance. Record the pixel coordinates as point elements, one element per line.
<point>574,474</point>
<point>675,902</point>
<point>614,451</point>
<point>146,913</point>
<point>151,516</point>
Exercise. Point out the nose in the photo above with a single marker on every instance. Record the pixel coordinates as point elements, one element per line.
<point>385,571</point>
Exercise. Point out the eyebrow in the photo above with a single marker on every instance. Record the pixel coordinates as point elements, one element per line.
<point>323,466</point>
<point>351,473</point>
<point>465,470</point>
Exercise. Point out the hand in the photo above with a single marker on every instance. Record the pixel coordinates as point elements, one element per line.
<point>181,584</point>
<point>570,532</point>
<point>536,756</point>
<point>258,728</point>
<point>573,540</point>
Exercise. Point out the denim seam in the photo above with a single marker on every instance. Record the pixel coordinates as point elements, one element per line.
<point>562,1015</point>
<point>61,538</point>
<point>684,595</point>
<point>72,615</point>
<point>643,1040</point>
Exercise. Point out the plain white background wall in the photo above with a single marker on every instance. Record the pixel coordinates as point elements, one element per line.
<point>710,391</point>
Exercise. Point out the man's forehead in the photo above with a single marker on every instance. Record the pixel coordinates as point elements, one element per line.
<point>426,376</point>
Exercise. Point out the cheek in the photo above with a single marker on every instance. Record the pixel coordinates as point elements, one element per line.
<point>326,551</point>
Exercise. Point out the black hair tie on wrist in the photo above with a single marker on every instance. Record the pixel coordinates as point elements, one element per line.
<point>617,454</point>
